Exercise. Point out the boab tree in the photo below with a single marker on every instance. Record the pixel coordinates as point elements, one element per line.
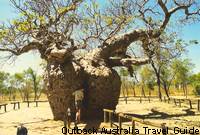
<point>62,29</point>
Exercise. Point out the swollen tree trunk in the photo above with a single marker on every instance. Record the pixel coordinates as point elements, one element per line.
<point>67,72</point>
<point>101,86</point>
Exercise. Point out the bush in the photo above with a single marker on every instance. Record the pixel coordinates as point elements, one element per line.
<point>197,89</point>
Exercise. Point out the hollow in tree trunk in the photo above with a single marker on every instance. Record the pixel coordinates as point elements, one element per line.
<point>101,86</point>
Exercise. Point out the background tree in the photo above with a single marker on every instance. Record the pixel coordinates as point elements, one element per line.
<point>20,83</point>
<point>3,86</point>
<point>166,50</point>
<point>194,79</point>
<point>166,77</point>
<point>32,76</point>
<point>182,71</point>
<point>135,79</point>
<point>147,79</point>
<point>195,82</point>
<point>125,85</point>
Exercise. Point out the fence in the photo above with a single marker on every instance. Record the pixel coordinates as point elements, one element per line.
<point>137,98</point>
<point>179,102</point>
<point>17,104</point>
<point>133,120</point>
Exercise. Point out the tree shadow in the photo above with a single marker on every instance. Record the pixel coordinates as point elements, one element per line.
<point>93,124</point>
<point>32,122</point>
<point>155,114</point>
<point>5,112</point>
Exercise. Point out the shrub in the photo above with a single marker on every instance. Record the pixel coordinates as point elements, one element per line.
<point>197,89</point>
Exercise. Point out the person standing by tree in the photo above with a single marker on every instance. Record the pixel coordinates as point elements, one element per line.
<point>22,130</point>
<point>78,97</point>
<point>68,117</point>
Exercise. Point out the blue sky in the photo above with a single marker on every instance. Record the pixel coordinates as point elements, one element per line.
<point>33,60</point>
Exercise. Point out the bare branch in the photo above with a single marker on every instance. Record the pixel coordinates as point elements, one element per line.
<point>128,61</point>
<point>34,45</point>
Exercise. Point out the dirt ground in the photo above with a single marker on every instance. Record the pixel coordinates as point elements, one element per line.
<point>39,121</point>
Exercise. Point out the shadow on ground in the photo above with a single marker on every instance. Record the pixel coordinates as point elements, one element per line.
<point>39,121</point>
<point>155,114</point>
<point>93,124</point>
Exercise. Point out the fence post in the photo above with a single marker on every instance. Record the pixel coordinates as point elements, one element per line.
<point>164,99</point>
<point>190,103</point>
<point>18,105</point>
<point>110,118</point>
<point>133,126</point>
<point>175,101</point>
<point>149,99</point>
<point>14,106</point>
<point>105,118</point>
<point>28,103</point>
<point>36,102</point>
<point>198,105</point>
<point>5,108</point>
<point>126,100</point>
<point>140,99</point>
<point>120,121</point>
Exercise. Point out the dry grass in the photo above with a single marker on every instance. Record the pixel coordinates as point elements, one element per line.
<point>39,120</point>
<point>172,91</point>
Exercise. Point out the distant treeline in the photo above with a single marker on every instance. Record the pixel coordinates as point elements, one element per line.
<point>25,85</point>
<point>174,77</point>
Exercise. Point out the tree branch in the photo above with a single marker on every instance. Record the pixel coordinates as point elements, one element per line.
<point>30,46</point>
<point>128,61</point>
<point>118,45</point>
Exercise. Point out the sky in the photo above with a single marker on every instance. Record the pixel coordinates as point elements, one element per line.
<point>33,60</point>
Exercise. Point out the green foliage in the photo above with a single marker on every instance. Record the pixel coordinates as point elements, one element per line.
<point>3,77</point>
<point>195,42</point>
<point>147,77</point>
<point>124,72</point>
<point>181,69</point>
<point>108,20</point>
<point>3,33</point>
<point>197,89</point>
<point>62,9</point>
<point>166,74</point>
<point>24,83</point>
<point>151,85</point>
<point>194,79</point>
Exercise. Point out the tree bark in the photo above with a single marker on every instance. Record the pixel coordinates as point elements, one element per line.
<point>142,90</point>
<point>159,87</point>
<point>157,72</point>
<point>101,86</point>
<point>166,89</point>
